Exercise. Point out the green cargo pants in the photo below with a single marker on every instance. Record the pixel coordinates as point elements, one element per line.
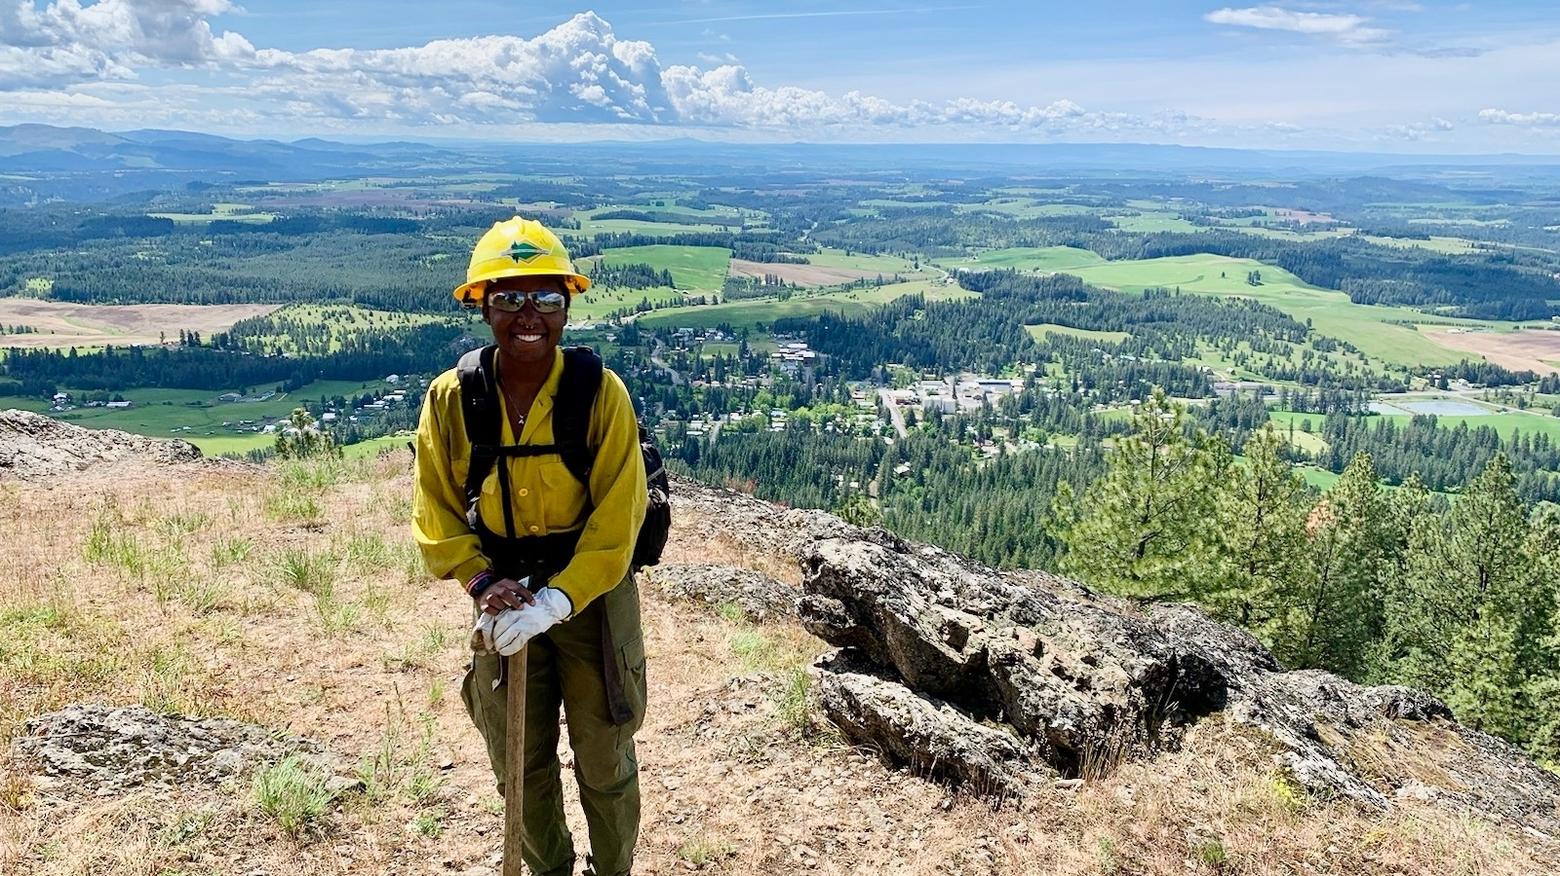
<point>568,665</point>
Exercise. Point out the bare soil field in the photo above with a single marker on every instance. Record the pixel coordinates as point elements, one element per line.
<point>65,324</point>
<point>1536,350</point>
<point>801,275</point>
<point>290,596</point>
<point>1304,217</point>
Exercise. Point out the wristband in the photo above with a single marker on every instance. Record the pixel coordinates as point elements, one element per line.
<point>481,582</point>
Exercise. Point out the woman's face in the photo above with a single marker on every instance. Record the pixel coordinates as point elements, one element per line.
<point>527,335</point>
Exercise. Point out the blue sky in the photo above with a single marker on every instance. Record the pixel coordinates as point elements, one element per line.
<point>1378,75</point>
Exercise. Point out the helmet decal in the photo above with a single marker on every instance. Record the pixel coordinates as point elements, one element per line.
<point>524,251</point>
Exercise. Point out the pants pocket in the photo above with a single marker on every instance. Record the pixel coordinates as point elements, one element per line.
<point>631,668</point>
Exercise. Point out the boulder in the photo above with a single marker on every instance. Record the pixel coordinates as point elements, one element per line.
<point>100,749</point>
<point>33,446</point>
<point>757,596</point>
<point>994,679</point>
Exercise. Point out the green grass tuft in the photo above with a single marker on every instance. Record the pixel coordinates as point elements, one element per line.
<point>295,793</point>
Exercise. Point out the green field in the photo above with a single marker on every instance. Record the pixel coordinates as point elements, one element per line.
<point>196,415</point>
<point>342,321</point>
<point>860,261</point>
<point>375,446</point>
<point>1286,234</point>
<point>1507,423</point>
<point>1033,258</point>
<point>221,211</point>
<point>600,301</point>
<point>766,310</point>
<point>591,226</point>
<point>1153,221</point>
<point>1039,332</point>
<point>1368,327</point>
<point>1025,208</point>
<point>695,269</point>
<point>1448,245</point>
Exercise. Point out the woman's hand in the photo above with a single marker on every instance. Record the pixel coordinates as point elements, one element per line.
<point>506,593</point>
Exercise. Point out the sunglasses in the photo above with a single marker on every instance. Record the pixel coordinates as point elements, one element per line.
<point>545,301</point>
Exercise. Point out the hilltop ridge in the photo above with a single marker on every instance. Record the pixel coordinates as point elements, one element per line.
<point>286,596</point>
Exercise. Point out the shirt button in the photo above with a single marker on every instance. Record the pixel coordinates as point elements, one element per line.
<point>534,527</point>
<point>524,491</point>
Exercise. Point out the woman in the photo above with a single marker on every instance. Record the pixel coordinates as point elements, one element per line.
<point>544,553</point>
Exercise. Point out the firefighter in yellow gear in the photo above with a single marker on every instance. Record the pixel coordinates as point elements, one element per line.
<point>544,556</point>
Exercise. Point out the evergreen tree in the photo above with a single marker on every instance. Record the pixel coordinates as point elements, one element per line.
<point>1144,528</point>
<point>1543,689</point>
<point>1261,530</point>
<point>1471,577</point>
<point>1336,615</point>
<point>302,438</point>
<point>1412,523</point>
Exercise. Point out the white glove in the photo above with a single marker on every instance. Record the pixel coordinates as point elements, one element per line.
<point>482,633</point>
<point>514,627</point>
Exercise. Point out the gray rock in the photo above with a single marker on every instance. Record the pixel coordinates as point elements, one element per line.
<point>1007,676</point>
<point>33,446</point>
<point>758,596</point>
<point>99,749</point>
<point>932,736</point>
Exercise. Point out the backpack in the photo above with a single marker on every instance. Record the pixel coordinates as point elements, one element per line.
<point>572,406</point>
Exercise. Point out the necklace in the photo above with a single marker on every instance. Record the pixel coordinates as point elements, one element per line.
<point>514,408</point>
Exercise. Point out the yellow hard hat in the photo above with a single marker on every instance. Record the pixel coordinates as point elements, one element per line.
<point>517,247</point>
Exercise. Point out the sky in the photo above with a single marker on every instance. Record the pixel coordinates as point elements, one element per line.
<point>1412,76</point>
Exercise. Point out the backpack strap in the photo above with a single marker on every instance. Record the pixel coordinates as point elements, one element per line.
<point>479,407</point>
<point>576,397</point>
<point>479,404</point>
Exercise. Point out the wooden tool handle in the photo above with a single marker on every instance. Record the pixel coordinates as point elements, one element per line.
<point>514,762</point>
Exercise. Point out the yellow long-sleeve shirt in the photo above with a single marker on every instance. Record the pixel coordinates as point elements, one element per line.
<point>545,495</point>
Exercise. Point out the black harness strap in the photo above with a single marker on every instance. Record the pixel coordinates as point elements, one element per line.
<point>480,408</point>
<point>479,400</point>
<point>577,389</point>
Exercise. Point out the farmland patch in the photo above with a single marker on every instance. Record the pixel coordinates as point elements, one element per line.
<point>1536,350</point>
<point>68,324</point>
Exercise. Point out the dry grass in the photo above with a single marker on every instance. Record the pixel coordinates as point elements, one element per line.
<point>65,323</point>
<point>176,588</point>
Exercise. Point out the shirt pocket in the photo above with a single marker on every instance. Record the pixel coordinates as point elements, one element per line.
<point>490,504</point>
<point>563,497</point>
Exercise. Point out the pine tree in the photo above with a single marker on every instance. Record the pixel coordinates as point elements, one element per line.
<point>1470,578</point>
<point>1543,688</point>
<point>1412,523</point>
<point>301,438</point>
<point>1261,518</point>
<point>1143,529</point>
<point>1336,615</point>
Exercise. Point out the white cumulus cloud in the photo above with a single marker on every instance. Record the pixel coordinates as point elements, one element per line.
<point>65,42</point>
<point>1346,28</point>
<point>1532,120</point>
<point>576,73</point>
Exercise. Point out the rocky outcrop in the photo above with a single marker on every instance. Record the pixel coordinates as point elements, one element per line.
<point>100,750</point>
<point>707,513</point>
<point>994,679</point>
<point>33,446</point>
<point>755,595</point>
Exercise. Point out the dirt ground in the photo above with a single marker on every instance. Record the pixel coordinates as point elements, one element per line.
<point>65,323</point>
<point>170,587</point>
<point>1536,350</point>
<point>801,275</point>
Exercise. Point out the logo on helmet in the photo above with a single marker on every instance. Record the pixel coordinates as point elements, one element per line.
<point>524,251</point>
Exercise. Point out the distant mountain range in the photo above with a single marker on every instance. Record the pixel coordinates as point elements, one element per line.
<point>50,161</point>
<point>45,149</point>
